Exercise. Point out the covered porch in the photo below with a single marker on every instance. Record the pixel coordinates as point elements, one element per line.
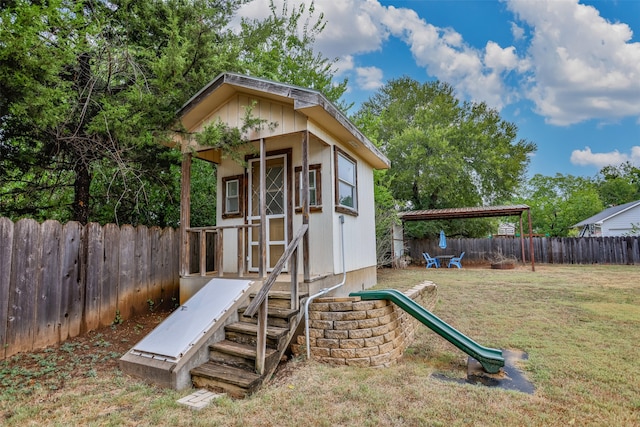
<point>202,254</point>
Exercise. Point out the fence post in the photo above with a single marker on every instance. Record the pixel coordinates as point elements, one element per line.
<point>23,287</point>
<point>6,250</point>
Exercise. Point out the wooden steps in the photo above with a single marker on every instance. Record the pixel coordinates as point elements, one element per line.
<point>232,361</point>
<point>280,299</point>
<point>238,354</point>
<point>245,332</point>
<point>279,317</point>
<point>237,382</point>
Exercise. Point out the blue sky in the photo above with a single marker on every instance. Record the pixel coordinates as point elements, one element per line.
<point>566,72</point>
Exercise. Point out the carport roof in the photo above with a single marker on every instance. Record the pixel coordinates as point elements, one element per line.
<point>471,212</point>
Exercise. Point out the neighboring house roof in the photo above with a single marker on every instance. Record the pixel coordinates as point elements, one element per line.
<point>309,102</point>
<point>607,214</point>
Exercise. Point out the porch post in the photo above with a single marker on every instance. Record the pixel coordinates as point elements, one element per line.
<point>262,244</point>
<point>305,205</point>
<point>261,338</point>
<point>261,333</point>
<point>185,213</point>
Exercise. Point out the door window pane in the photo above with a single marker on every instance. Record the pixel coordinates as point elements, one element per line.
<point>276,229</point>
<point>275,252</point>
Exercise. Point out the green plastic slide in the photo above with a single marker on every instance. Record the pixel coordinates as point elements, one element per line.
<point>490,358</point>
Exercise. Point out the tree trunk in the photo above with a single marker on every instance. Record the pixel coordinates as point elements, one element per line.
<point>81,185</point>
<point>81,190</point>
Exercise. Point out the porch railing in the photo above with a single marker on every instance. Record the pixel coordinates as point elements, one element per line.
<point>210,244</point>
<point>260,301</point>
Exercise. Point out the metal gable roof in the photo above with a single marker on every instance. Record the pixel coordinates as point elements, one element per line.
<point>608,213</point>
<point>310,102</point>
<point>471,212</point>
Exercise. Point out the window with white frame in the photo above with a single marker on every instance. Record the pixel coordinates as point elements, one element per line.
<point>233,196</point>
<point>346,181</point>
<point>315,188</point>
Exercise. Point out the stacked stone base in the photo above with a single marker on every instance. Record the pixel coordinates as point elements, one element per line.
<point>349,331</point>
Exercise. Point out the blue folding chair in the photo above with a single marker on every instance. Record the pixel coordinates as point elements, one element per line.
<point>431,261</point>
<point>456,261</point>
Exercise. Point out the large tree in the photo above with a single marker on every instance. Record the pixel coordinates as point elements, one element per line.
<point>619,184</point>
<point>559,202</point>
<point>279,47</point>
<point>444,153</point>
<point>90,89</point>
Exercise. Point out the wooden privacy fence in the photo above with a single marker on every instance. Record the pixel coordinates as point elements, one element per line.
<point>57,281</point>
<point>550,250</point>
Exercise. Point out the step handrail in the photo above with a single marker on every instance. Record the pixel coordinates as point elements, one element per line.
<point>260,301</point>
<point>260,297</point>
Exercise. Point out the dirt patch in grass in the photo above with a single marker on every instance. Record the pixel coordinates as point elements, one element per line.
<point>83,356</point>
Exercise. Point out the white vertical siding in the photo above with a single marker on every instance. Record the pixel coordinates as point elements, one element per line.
<point>360,234</point>
<point>230,254</point>
<point>324,227</point>
<point>320,223</point>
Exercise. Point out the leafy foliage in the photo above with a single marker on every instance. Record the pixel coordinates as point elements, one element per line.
<point>90,90</point>
<point>386,218</point>
<point>619,184</point>
<point>559,202</point>
<point>444,153</point>
<point>278,48</point>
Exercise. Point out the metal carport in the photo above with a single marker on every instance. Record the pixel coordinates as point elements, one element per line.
<point>476,212</point>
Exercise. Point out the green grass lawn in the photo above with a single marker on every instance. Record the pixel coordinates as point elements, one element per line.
<point>580,326</point>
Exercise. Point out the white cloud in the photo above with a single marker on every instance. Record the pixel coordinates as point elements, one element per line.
<point>500,59</point>
<point>445,55</point>
<point>588,158</point>
<point>258,9</point>
<point>355,27</point>
<point>369,78</point>
<point>517,31</point>
<point>583,66</point>
<point>344,65</point>
<point>352,26</point>
<point>576,65</point>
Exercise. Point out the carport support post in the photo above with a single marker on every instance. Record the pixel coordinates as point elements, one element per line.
<point>533,264</point>
<point>524,259</point>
